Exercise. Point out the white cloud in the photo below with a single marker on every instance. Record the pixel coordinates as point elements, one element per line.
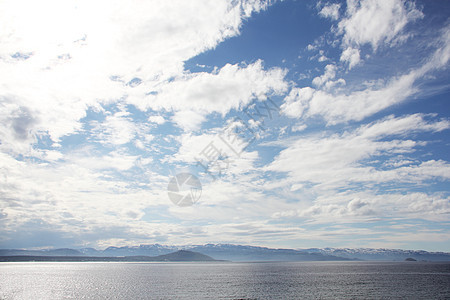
<point>330,11</point>
<point>17,132</point>
<point>299,127</point>
<point>348,207</point>
<point>193,96</point>
<point>81,194</point>
<point>311,47</point>
<point>297,102</point>
<point>325,81</point>
<point>338,160</point>
<point>157,119</point>
<point>95,56</point>
<point>376,22</point>
<point>338,107</point>
<point>391,126</point>
<point>111,161</point>
<point>189,120</point>
<point>330,73</point>
<point>116,129</point>
<point>221,155</point>
<point>191,146</point>
<point>360,104</point>
<point>351,55</point>
<point>97,51</point>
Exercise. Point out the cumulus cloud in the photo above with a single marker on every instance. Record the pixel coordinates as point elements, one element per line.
<point>340,107</point>
<point>330,11</point>
<point>376,22</point>
<point>299,127</point>
<point>18,129</point>
<point>351,56</point>
<point>342,155</point>
<point>347,207</point>
<point>297,101</point>
<point>60,65</point>
<point>216,154</point>
<point>193,96</point>
<point>157,119</point>
<point>326,80</point>
<point>330,73</point>
<point>116,129</point>
<point>84,193</point>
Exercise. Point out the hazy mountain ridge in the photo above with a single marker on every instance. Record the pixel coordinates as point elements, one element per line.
<point>178,256</point>
<point>254,253</point>
<point>44,252</point>
<point>150,250</point>
<point>382,254</point>
<point>244,253</point>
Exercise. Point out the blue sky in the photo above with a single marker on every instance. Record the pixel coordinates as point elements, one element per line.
<point>308,124</point>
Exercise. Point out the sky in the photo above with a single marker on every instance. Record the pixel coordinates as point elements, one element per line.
<point>307,123</point>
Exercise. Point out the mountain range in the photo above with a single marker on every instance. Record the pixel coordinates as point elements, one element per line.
<point>382,254</point>
<point>178,256</point>
<point>243,253</point>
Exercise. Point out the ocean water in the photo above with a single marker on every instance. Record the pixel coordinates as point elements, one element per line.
<point>223,280</point>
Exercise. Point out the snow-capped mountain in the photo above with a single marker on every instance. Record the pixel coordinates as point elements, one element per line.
<point>381,254</point>
<point>146,250</point>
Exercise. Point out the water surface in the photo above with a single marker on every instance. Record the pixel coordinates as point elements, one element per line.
<point>272,280</point>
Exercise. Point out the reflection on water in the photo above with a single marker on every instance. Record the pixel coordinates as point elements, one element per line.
<point>274,280</point>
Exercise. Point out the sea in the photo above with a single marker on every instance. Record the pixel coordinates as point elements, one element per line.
<point>225,280</point>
